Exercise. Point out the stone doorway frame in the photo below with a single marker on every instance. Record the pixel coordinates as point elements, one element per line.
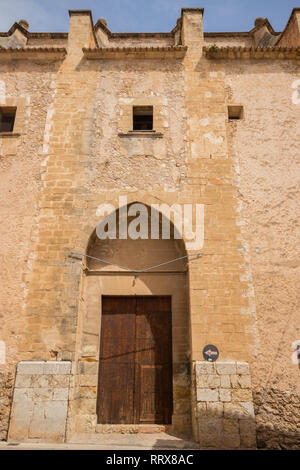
<point>83,395</point>
<point>82,417</point>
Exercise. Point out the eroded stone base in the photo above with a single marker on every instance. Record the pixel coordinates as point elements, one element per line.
<point>277,417</point>
<point>224,413</point>
<point>40,401</point>
<point>222,399</point>
<point>6,389</point>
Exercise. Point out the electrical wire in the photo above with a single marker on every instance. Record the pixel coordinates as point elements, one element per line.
<point>199,254</point>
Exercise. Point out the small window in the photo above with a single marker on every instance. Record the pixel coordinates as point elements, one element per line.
<point>235,112</point>
<point>142,118</point>
<point>7,118</point>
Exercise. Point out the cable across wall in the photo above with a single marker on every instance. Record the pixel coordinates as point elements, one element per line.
<point>191,257</point>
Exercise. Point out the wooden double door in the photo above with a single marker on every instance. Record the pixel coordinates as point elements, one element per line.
<point>135,367</point>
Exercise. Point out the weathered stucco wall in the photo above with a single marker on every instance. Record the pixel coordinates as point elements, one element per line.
<point>47,41</point>
<point>138,163</point>
<point>20,166</point>
<point>131,41</point>
<point>266,148</point>
<point>228,41</point>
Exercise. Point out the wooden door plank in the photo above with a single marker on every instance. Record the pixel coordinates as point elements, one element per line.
<point>117,361</point>
<point>153,376</point>
<point>135,367</point>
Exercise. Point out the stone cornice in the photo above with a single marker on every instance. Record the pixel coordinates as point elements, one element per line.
<point>40,53</point>
<point>232,53</point>
<point>142,35</point>
<point>13,28</point>
<point>29,34</point>
<point>47,35</point>
<point>116,53</point>
<point>192,10</point>
<point>227,34</point>
<point>80,13</point>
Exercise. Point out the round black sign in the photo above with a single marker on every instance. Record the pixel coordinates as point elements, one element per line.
<point>210,353</point>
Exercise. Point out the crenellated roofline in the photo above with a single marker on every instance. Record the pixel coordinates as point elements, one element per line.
<point>232,53</point>
<point>261,38</point>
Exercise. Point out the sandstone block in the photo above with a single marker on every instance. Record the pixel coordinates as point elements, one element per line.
<point>236,411</point>
<point>20,419</point>
<point>249,409</point>
<point>213,381</point>
<point>201,409</point>
<point>234,381</point>
<point>89,368</point>
<point>23,395</point>
<point>210,432</point>
<point>248,433</point>
<point>23,381</point>
<point>226,368</point>
<point>211,425</point>
<point>30,367</point>
<point>38,381</point>
<point>225,381</point>
<point>206,394</point>
<point>88,392</point>
<point>231,440</point>
<point>181,406</point>
<point>59,381</point>
<point>86,423</point>
<point>60,394</point>
<point>57,367</point>
<point>215,409</point>
<point>88,380</point>
<point>87,406</point>
<point>244,381</point>
<point>231,425</point>
<point>49,420</point>
<point>204,368</point>
<point>42,394</point>
<point>208,381</point>
<point>37,426</point>
<point>225,395</point>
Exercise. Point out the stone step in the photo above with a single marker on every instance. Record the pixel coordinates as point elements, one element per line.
<point>139,441</point>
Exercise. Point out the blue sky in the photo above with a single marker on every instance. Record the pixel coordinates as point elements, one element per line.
<point>146,15</point>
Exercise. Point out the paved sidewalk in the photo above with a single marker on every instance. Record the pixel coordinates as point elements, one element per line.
<point>113,441</point>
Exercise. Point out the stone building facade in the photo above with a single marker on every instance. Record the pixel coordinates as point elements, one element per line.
<point>224,137</point>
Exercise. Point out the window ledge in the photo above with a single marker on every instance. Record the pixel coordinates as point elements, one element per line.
<point>9,134</point>
<point>141,134</point>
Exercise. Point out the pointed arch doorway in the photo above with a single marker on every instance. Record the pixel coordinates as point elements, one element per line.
<point>137,327</point>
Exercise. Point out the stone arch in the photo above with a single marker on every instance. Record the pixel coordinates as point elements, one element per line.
<point>116,251</point>
<point>101,279</point>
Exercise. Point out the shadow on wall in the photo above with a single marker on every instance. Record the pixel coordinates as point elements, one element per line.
<point>175,444</point>
<point>277,417</point>
<point>218,430</point>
